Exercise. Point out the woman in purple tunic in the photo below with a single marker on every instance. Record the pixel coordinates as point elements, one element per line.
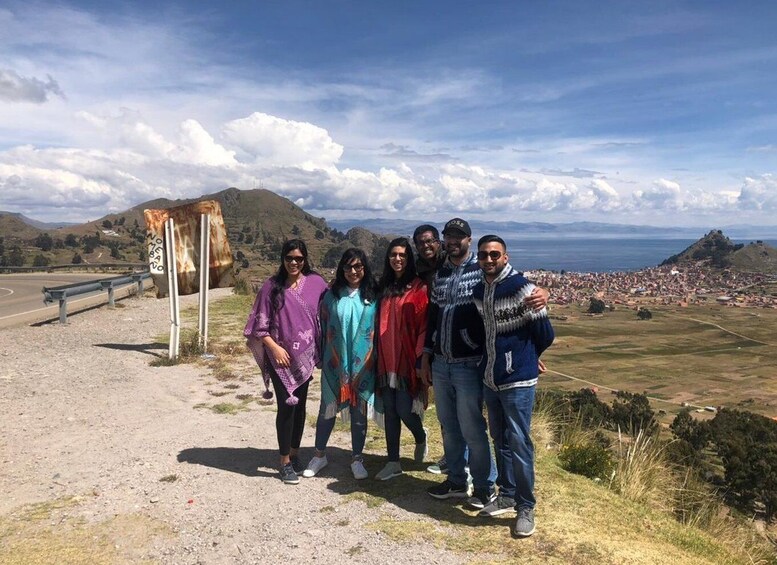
<point>283,332</point>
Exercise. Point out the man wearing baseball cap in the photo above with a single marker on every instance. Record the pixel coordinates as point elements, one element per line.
<point>455,338</point>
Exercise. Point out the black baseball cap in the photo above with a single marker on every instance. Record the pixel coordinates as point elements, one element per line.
<point>459,225</point>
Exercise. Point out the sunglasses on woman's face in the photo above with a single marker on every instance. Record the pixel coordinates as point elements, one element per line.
<point>294,259</point>
<point>357,268</point>
<point>493,255</point>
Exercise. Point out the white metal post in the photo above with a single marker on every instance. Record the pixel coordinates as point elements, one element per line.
<point>204,279</point>
<point>172,288</point>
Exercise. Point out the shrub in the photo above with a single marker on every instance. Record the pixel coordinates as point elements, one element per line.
<point>44,242</point>
<point>242,286</point>
<point>685,427</point>
<point>596,306</point>
<point>41,261</point>
<point>632,412</point>
<point>589,459</point>
<point>591,411</point>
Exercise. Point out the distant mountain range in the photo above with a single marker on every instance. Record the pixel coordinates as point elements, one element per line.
<point>571,229</point>
<point>36,223</point>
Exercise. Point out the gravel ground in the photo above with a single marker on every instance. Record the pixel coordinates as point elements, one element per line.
<point>84,413</point>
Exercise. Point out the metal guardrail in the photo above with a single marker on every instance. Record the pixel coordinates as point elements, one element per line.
<point>61,293</point>
<point>75,267</point>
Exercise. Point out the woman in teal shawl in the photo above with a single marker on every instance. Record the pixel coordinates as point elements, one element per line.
<point>348,358</point>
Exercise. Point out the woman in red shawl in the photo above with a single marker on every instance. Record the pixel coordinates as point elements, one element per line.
<point>401,331</point>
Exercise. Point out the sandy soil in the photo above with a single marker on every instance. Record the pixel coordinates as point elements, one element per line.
<point>83,413</point>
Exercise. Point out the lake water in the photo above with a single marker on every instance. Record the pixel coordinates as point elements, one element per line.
<point>595,254</point>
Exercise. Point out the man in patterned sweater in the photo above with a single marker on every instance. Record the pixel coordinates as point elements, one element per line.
<point>515,337</point>
<point>455,337</point>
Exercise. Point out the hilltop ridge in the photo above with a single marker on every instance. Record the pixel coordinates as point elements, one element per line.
<point>718,251</point>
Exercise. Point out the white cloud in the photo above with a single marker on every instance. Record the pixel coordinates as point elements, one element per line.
<point>664,194</point>
<point>271,141</point>
<point>759,194</point>
<point>301,161</point>
<point>198,147</point>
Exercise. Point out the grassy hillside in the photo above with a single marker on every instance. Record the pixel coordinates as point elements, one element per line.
<point>702,355</point>
<point>755,256</point>
<point>14,230</point>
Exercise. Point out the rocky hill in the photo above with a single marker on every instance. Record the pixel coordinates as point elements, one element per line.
<point>718,251</point>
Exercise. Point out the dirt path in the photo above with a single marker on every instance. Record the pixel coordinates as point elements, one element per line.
<point>84,414</point>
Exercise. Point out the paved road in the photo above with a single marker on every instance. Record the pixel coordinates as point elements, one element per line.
<point>21,299</point>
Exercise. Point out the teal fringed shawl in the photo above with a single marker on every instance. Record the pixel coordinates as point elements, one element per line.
<point>348,353</point>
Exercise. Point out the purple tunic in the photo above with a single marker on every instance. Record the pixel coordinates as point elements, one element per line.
<point>295,327</point>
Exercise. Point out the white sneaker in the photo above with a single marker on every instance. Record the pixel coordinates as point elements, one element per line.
<point>358,470</point>
<point>391,470</point>
<point>315,465</point>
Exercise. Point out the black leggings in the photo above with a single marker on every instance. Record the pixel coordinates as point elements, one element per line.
<point>290,421</point>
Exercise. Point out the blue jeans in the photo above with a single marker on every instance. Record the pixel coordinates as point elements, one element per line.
<point>458,396</point>
<point>398,408</point>
<point>509,419</point>
<point>325,426</point>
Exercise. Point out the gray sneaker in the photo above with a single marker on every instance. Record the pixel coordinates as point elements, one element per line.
<point>500,505</point>
<point>439,468</point>
<point>391,470</point>
<point>524,523</point>
<point>288,476</point>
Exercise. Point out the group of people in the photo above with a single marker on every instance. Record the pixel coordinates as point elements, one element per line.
<point>464,322</point>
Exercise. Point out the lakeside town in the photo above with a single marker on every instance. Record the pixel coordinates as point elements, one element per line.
<point>669,284</point>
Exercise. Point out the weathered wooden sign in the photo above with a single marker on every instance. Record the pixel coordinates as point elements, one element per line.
<point>187,220</point>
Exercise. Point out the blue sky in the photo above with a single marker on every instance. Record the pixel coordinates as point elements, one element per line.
<point>657,113</point>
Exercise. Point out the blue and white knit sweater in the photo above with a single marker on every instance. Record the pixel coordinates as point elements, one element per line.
<point>515,335</point>
<point>455,331</point>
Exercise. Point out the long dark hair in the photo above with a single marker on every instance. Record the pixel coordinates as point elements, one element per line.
<point>279,279</point>
<point>389,285</point>
<point>366,287</point>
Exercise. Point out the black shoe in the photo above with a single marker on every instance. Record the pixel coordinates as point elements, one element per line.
<point>288,476</point>
<point>296,464</point>
<point>500,505</point>
<point>481,498</point>
<point>447,489</point>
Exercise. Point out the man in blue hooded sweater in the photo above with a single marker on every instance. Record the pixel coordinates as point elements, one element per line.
<point>515,337</point>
